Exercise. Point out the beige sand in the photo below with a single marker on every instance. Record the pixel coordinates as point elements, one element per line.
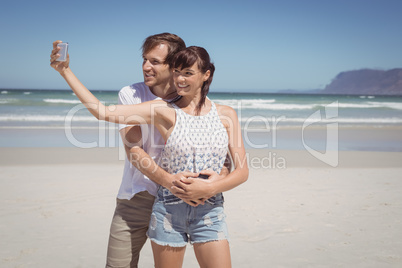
<point>56,205</point>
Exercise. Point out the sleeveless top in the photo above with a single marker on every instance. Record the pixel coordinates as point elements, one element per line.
<point>195,144</point>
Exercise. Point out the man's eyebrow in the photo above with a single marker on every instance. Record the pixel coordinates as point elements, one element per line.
<point>143,56</point>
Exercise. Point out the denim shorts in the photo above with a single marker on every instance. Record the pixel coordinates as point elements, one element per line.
<point>176,224</point>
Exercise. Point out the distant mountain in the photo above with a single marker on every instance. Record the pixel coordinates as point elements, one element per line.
<point>366,82</point>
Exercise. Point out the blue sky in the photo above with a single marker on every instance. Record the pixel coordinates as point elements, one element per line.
<point>256,45</point>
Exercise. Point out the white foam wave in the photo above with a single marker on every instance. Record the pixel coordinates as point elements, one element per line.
<point>273,106</point>
<point>45,118</point>
<point>279,106</point>
<point>5,101</point>
<point>352,105</point>
<point>61,101</point>
<point>244,103</point>
<point>246,100</point>
<point>283,120</point>
<point>4,92</point>
<point>253,121</point>
<point>390,105</point>
<point>369,104</point>
<point>260,104</point>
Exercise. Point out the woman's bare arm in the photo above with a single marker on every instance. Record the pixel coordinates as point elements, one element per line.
<point>122,114</point>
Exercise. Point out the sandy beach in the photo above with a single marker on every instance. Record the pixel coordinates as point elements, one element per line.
<point>294,211</point>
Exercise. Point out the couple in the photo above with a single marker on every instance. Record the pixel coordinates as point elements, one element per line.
<point>197,135</point>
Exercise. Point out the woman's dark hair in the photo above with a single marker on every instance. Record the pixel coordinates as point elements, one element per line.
<point>174,43</point>
<point>186,58</point>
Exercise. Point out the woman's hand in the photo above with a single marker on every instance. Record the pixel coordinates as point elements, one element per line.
<point>59,66</point>
<point>196,189</point>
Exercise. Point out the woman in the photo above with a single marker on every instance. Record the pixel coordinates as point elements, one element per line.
<point>197,133</point>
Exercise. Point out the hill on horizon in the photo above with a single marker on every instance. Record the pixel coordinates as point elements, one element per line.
<point>366,81</point>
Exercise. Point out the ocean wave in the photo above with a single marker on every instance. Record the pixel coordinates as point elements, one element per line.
<point>45,118</point>
<point>353,105</point>
<point>273,106</point>
<point>260,104</point>
<point>62,101</point>
<point>283,120</point>
<point>65,101</point>
<point>244,103</point>
<point>4,92</point>
<point>390,105</point>
<point>369,105</point>
<point>253,121</point>
<point>6,101</point>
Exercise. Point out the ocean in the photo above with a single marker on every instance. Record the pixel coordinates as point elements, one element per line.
<point>40,118</point>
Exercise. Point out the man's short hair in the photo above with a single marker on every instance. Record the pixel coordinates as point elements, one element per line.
<point>174,43</point>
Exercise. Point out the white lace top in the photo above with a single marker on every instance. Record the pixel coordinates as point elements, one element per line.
<point>196,143</point>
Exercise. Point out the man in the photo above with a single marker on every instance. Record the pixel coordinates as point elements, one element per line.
<point>143,143</point>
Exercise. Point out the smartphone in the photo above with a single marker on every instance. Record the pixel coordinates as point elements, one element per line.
<point>63,51</point>
<point>203,176</point>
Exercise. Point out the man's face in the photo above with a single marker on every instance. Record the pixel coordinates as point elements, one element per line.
<point>155,71</point>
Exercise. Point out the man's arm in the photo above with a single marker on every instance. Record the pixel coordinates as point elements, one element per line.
<point>132,139</point>
<point>201,189</point>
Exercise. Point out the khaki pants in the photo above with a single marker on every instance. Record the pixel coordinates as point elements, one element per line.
<point>128,230</point>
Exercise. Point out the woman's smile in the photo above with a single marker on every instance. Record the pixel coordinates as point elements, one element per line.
<point>182,85</point>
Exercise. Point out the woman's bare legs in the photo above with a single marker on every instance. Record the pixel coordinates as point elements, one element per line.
<point>169,257</point>
<point>214,254</point>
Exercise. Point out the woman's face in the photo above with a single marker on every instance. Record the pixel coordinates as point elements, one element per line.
<point>189,80</point>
